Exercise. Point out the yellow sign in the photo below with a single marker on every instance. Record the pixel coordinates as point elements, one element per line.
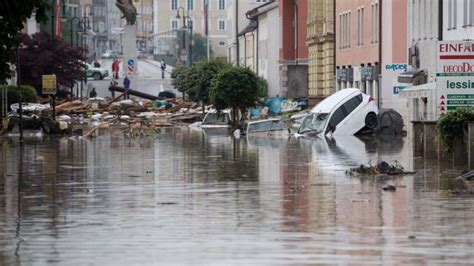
<point>49,84</point>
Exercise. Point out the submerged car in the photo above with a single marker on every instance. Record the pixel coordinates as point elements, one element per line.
<point>346,112</point>
<point>214,119</point>
<point>272,127</point>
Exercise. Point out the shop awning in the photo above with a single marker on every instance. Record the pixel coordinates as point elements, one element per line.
<point>424,90</point>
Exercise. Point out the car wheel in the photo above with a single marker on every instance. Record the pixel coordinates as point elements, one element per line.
<point>97,76</point>
<point>371,120</point>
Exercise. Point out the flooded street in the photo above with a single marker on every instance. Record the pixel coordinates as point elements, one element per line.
<point>192,197</point>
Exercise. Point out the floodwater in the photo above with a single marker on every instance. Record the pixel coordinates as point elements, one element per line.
<point>191,197</point>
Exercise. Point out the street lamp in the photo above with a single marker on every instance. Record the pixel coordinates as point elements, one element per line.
<point>84,25</point>
<point>53,37</point>
<point>72,29</point>
<point>185,16</point>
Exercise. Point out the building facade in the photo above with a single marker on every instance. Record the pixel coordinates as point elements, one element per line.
<point>394,54</point>
<point>358,45</point>
<point>99,27</point>
<point>114,26</point>
<point>167,23</point>
<point>320,41</point>
<point>236,22</point>
<point>293,55</point>
<point>144,24</point>
<point>424,32</point>
<point>458,20</point>
<point>259,44</point>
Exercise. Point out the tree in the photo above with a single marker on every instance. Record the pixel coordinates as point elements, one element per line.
<point>237,88</point>
<point>206,72</point>
<point>200,48</point>
<point>183,78</point>
<point>12,15</point>
<point>39,57</point>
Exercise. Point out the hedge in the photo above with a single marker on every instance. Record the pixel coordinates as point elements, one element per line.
<point>13,94</point>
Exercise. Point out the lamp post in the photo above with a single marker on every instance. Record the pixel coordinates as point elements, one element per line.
<point>84,25</point>
<point>53,38</point>
<point>185,16</point>
<point>72,29</point>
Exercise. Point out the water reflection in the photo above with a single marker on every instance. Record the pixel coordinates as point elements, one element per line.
<point>187,197</point>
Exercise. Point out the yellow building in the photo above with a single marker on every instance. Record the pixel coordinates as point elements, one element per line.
<point>320,41</point>
<point>144,22</point>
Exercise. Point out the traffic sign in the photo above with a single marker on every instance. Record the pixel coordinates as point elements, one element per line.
<point>184,52</point>
<point>49,84</point>
<point>131,62</point>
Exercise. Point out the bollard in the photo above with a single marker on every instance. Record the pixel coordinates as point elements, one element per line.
<point>470,145</point>
<point>417,138</point>
<point>430,149</point>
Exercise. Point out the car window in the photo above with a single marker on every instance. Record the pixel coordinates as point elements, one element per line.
<point>336,118</point>
<point>352,104</point>
<point>216,119</point>
<point>265,126</point>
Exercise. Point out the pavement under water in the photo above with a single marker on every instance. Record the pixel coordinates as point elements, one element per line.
<point>194,197</point>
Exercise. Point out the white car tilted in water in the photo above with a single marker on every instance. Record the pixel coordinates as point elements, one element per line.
<point>346,112</point>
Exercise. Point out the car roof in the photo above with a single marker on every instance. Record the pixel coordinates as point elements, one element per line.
<point>326,105</point>
<point>262,120</point>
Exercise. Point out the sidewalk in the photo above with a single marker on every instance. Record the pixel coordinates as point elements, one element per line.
<point>168,70</point>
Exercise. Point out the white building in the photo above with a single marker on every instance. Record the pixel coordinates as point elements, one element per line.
<point>458,20</point>
<point>236,11</point>
<point>420,79</point>
<point>259,45</point>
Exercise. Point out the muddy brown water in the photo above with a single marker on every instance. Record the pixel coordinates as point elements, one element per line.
<point>192,197</point>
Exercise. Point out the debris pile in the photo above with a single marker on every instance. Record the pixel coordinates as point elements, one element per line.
<point>139,115</point>
<point>381,168</point>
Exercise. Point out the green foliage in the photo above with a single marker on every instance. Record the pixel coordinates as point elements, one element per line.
<point>451,126</point>
<point>28,94</point>
<point>262,87</point>
<point>199,49</point>
<point>12,15</point>
<point>237,88</point>
<point>206,72</point>
<point>180,78</point>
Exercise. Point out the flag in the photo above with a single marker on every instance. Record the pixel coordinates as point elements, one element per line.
<point>58,19</point>
<point>205,19</point>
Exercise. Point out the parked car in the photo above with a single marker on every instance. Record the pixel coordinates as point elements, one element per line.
<point>110,54</point>
<point>272,127</point>
<point>141,55</point>
<point>346,112</point>
<point>96,72</point>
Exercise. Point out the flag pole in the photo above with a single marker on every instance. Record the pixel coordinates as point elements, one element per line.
<point>207,31</point>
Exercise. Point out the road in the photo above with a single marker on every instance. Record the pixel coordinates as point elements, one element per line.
<point>148,79</point>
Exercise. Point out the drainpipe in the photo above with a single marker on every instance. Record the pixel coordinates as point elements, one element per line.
<point>380,54</point>
<point>237,52</point>
<point>295,5</point>
<point>334,46</point>
<point>256,50</point>
<point>440,20</point>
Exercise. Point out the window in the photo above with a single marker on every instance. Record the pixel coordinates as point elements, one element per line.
<point>471,12</point>
<point>190,4</point>
<point>221,4</point>
<point>221,44</point>
<point>174,24</point>
<point>174,4</point>
<point>465,14</point>
<point>221,24</point>
<point>352,104</point>
<point>336,118</point>
<point>375,21</point>
<point>359,26</point>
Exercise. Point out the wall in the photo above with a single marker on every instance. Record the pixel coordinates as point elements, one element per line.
<point>269,46</point>
<point>464,28</point>
<point>216,36</point>
<point>355,54</point>
<point>394,54</point>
